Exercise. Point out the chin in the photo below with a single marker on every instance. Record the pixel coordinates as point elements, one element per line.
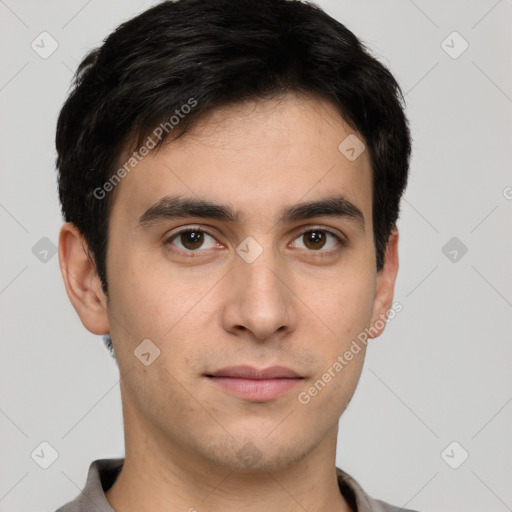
<point>257,453</point>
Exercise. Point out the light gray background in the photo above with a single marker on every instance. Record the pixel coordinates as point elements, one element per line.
<point>441,371</point>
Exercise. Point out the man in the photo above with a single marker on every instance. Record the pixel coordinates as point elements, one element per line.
<point>230,173</point>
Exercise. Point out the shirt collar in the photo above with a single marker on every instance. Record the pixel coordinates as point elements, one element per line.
<point>103,473</point>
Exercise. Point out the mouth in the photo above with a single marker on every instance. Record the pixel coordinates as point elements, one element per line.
<point>251,384</point>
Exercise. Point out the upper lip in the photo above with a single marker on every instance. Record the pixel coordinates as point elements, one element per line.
<point>249,372</point>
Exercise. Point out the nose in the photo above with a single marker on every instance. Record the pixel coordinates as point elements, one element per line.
<point>259,300</point>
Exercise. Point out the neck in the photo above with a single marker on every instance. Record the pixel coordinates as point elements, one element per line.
<point>159,474</point>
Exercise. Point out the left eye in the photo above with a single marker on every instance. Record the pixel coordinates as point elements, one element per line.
<point>316,239</point>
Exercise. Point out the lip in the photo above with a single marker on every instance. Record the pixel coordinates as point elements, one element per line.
<point>253,384</point>
<point>249,372</point>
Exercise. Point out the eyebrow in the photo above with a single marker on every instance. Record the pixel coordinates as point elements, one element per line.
<point>174,207</point>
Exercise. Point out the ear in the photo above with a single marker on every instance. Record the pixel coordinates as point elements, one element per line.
<point>386,278</point>
<point>82,283</point>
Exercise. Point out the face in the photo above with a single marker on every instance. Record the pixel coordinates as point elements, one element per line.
<point>254,281</point>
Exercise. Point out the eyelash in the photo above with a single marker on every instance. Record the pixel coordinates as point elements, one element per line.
<point>341,241</point>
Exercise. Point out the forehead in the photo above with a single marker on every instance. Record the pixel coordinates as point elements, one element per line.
<point>256,157</point>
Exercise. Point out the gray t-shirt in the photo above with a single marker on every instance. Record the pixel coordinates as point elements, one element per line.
<point>103,474</point>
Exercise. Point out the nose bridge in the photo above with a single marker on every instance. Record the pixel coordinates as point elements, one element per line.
<point>260,300</point>
<point>262,277</point>
<point>260,267</point>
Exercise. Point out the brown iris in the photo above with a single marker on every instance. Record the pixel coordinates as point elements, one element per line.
<point>314,239</point>
<point>192,239</point>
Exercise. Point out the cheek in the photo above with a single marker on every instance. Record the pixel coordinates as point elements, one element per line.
<point>346,302</point>
<point>159,391</point>
<point>145,298</point>
<point>173,311</point>
<point>327,394</point>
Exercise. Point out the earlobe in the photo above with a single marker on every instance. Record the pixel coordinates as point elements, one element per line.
<point>385,286</point>
<point>82,283</point>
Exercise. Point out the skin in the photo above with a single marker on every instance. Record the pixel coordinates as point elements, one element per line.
<point>290,307</point>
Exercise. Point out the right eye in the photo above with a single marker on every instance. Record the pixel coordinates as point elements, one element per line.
<point>191,239</point>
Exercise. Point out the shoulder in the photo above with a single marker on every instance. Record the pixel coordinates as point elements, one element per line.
<point>101,476</point>
<point>360,500</point>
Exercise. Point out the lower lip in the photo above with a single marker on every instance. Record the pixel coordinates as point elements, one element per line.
<point>255,389</point>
